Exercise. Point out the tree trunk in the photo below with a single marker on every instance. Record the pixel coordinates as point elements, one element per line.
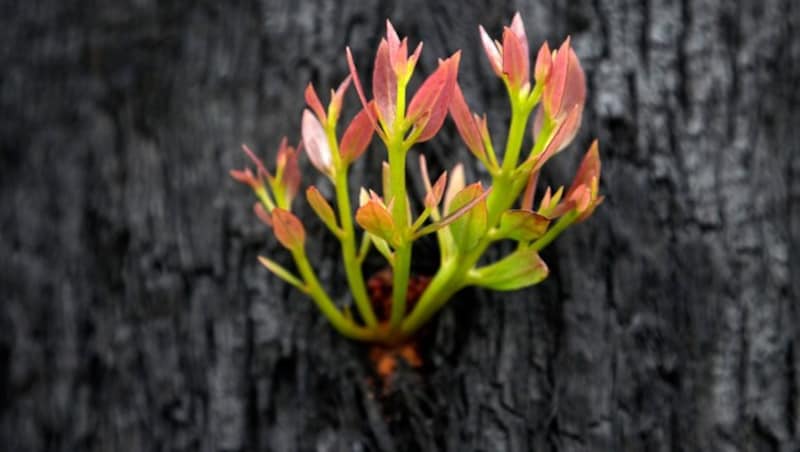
<point>135,316</point>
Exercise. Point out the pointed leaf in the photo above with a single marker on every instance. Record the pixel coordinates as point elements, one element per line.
<point>522,225</point>
<point>543,63</point>
<point>470,228</point>
<point>371,112</point>
<point>466,124</point>
<point>519,30</point>
<point>519,269</point>
<point>337,97</point>
<point>492,52</point>
<point>515,60</point>
<point>434,195</point>
<point>384,85</point>
<point>566,85</point>
<point>312,99</point>
<point>282,273</point>
<point>262,214</point>
<point>357,137</point>
<point>246,176</point>
<point>288,229</point>
<point>429,106</point>
<point>563,135</point>
<point>316,143</point>
<point>321,207</point>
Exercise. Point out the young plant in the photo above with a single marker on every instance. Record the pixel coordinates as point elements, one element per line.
<point>466,219</point>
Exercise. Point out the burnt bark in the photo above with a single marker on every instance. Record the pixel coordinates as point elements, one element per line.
<point>136,317</point>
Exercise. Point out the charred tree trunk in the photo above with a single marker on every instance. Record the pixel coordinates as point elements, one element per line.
<point>135,317</point>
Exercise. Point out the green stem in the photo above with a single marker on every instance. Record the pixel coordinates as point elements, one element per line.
<point>562,223</point>
<point>343,325</point>
<point>451,276</point>
<point>402,258</point>
<point>352,267</point>
<point>516,133</point>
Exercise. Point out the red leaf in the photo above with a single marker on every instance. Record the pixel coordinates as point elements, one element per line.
<point>543,63</point>
<point>429,106</point>
<point>434,196</point>
<point>566,85</point>
<point>262,214</point>
<point>515,60</point>
<point>312,99</point>
<point>384,85</point>
<point>288,229</point>
<point>357,137</point>
<point>465,123</point>
<point>337,97</point>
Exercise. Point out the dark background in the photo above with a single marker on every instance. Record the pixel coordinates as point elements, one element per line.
<point>135,317</point>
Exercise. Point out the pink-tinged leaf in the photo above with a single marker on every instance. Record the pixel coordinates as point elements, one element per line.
<point>262,214</point>
<point>371,110</point>
<point>457,182</point>
<point>538,122</point>
<point>562,136</point>
<point>470,227</point>
<point>483,126</point>
<point>543,63</point>
<point>289,169</point>
<point>262,171</point>
<point>519,30</point>
<point>515,60</point>
<point>312,99</point>
<point>466,124</point>
<point>434,196</point>
<point>391,37</point>
<point>428,108</point>
<point>316,143</point>
<point>384,85</point>
<point>321,207</point>
<point>412,60</point>
<point>522,225</point>
<point>522,268</point>
<point>357,137</point>
<point>530,191</point>
<point>492,52</point>
<point>288,229</point>
<point>337,97</point>
<point>549,202</point>
<point>246,176</point>
<point>399,58</point>
<point>566,85</point>
<point>583,193</point>
<point>376,220</point>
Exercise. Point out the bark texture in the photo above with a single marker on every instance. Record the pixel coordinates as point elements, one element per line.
<point>135,317</point>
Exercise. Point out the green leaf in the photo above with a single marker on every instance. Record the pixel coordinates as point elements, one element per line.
<point>519,269</point>
<point>471,227</point>
<point>282,273</point>
<point>522,225</point>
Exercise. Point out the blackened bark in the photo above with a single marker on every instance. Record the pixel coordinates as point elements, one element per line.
<point>135,316</point>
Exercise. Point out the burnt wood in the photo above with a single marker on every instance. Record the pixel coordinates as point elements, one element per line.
<point>135,316</point>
